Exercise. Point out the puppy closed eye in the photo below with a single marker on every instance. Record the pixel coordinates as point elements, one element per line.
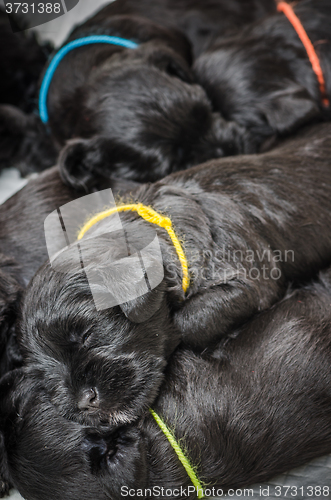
<point>173,65</point>
<point>78,337</point>
<point>100,451</point>
<point>174,69</point>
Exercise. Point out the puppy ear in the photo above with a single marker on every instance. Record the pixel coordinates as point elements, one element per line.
<point>84,162</point>
<point>144,307</point>
<point>290,109</point>
<point>77,163</point>
<point>172,64</point>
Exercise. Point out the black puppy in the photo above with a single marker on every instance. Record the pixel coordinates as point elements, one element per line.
<point>24,141</point>
<point>262,78</point>
<point>20,64</point>
<point>200,21</point>
<point>22,237</point>
<point>260,405</point>
<point>249,225</point>
<point>136,106</point>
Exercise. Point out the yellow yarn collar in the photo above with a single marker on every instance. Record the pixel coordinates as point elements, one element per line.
<point>149,215</point>
<point>180,454</point>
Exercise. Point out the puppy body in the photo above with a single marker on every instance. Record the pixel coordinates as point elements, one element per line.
<point>262,78</point>
<point>21,64</point>
<point>259,420</point>
<point>249,226</point>
<point>255,408</point>
<point>138,108</point>
<point>22,237</point>
<point>24,141</point>
<point>200,21</point>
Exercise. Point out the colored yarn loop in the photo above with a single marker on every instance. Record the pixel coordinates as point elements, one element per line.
<point>152,216</point>
<point>313,57</point>
<point>80,42</point>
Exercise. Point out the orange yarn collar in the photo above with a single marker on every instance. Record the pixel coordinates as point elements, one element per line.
<point>313,57</point>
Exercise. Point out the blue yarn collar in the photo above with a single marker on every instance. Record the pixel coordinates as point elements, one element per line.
<point>88,40</point>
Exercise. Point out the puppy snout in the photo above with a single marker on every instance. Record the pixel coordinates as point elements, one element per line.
<point>89,398</point>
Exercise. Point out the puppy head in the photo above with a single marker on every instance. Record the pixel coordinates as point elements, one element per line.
<point>140,117</point>
<point>85,163</point>
<point>47,456</point>
<point>98,365</point>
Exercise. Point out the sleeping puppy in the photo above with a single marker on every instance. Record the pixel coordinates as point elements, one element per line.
<point>200,21</point>
<point>22,237</point>
<point>136,106</point>
<point>24,141</point>
<point>248,225</point>
<point>261,404</point>
<point>261,77</point>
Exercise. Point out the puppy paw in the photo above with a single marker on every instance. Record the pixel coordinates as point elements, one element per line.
<point>5,487</point>
<point>24,141</point>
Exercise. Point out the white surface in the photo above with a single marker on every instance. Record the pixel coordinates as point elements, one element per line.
<point>10,182</point>
<point>14,495</point>
<point>57,30</point>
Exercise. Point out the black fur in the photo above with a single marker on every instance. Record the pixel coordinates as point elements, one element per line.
<point>10,295</point>
<point>22,237</point>
<point>140,106</point>
<point>24,141</point>
<point>22,218</point>
<point>249,226</point>
<point>261,76</point>
<point>200,21</point>
<point>21,64</point>
<point>10,357</point>
<point>258,406</point>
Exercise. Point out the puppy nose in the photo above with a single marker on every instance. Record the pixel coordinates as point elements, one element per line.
<point>89,398</point>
